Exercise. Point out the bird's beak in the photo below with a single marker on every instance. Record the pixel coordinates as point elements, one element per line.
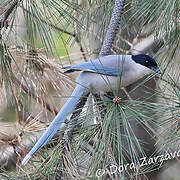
<point>156,69</point>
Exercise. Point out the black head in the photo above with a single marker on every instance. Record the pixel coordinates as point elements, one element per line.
<point>146,61</point>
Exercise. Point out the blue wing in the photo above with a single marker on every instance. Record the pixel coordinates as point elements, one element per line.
<point>94,67</point>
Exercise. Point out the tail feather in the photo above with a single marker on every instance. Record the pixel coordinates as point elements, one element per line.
<point>78,92</point>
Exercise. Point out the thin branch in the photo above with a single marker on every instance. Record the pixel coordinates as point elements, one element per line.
<point>41,101</point>
<point>50,24</point>
<point>77,39</point>
<point>8,12</point>
<point>78,34</point>
<point>142,44</point>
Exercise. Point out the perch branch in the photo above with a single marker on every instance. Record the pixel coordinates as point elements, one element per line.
<point>111,34</point>
<point>109,39</point>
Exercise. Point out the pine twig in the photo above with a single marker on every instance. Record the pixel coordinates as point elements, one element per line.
<point>8,12</point>
<point>74,35</point>
<point>41,101</point>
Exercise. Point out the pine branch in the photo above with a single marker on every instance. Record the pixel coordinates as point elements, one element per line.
<point>8,12</point>
<point>109,39</point>
<point>50,24</point>
<point>113,28</point>
<point>111,34</point>
<point>74,35</point>
<point>41,101</point>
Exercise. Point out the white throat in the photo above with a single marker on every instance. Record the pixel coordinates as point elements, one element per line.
<point>140,71</point>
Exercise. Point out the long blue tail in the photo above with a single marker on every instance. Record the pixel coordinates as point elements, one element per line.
<point>57,122</point>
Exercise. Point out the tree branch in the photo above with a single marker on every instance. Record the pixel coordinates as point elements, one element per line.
<point>41,101</point>
<point>111,33</point>
<point>112,28</point>
<point>8,12</point>
<point>50,24</point>
<point>74,35</point>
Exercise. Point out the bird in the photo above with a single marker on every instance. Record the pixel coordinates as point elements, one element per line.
<point>98,76</point>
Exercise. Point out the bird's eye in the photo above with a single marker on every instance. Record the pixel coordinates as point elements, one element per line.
<point>146,61</point>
